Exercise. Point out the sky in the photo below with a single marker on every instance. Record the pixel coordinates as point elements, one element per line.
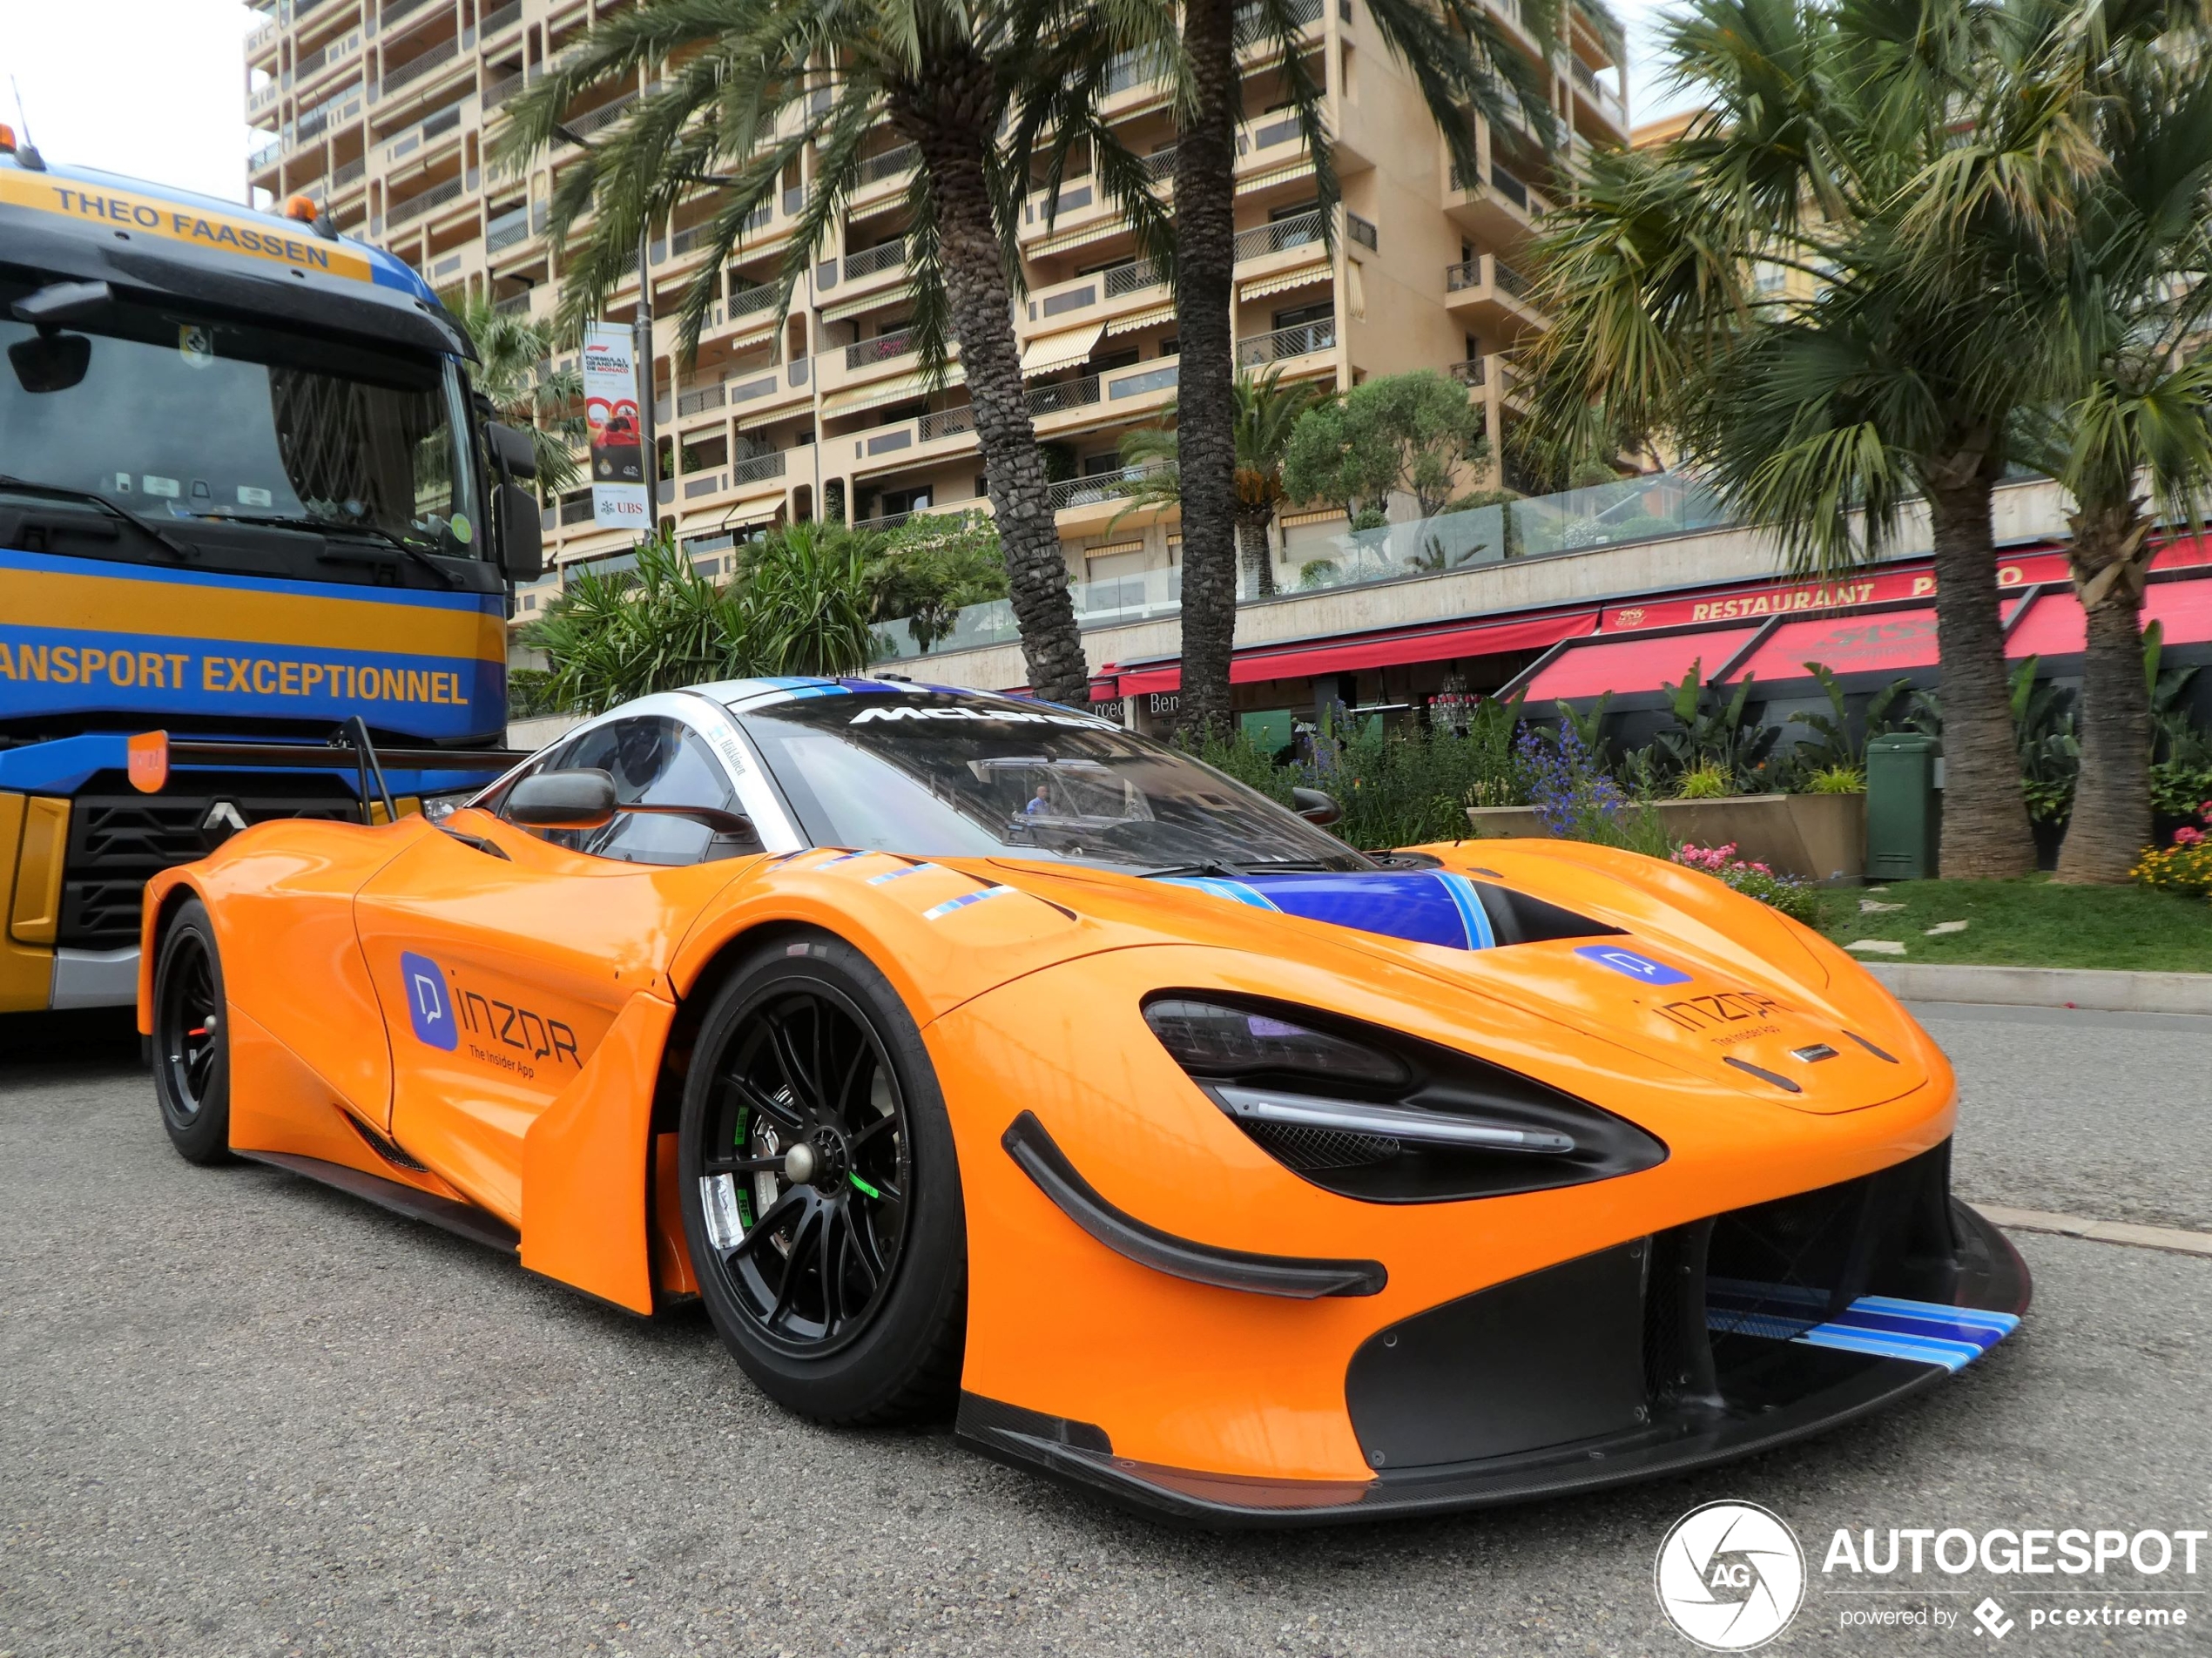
<point>152,88</point>
<point>155,88</point>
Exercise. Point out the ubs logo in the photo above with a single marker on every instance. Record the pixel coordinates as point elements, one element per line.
<point>440,1014</point>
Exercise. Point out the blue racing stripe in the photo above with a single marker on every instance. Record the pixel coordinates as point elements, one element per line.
<point>892,875</point>
<point>1481,935</point>
<point>1951,1355</point>
<point>961,902</point>
<point>1926,1333</point>
<point>2003,1322</point>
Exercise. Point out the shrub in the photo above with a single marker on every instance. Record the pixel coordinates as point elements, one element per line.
<point>1793,898</point>
<point>2183,868</point>
<point>1704,781</point>
<point>1836,780</point>
<point>1577,800</point>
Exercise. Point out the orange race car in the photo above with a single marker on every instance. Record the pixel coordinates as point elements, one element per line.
<point>957,1046</point>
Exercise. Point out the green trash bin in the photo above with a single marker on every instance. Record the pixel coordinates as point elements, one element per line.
<point>1902,807</point>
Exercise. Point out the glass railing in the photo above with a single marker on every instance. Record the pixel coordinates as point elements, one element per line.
<point>1629,510</point>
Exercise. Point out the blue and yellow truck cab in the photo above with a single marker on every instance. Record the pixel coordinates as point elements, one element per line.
<point>247,495</point>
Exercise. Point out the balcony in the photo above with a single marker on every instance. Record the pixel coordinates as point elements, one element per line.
<point>1489,288</point>
<point>498,21</point>
<point>1608,102</point>
<point>945,422</point>
<point>445,54</point>
<point>266,157</point>
<point>867,353</point>
<point>507,229</point>
<point>349,173</point>
<point>1499,209</point>
<point>403,213</point>
<point>892,256</point>
<point>424,135</point>
<point>1284,344</point>
<point>882,169</point>
<point>760,469</point>
<point>1059,398</point>
<point>1303,230</point>
<point>591,121</point>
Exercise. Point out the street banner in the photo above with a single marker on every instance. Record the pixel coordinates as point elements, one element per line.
<point>610,408</point>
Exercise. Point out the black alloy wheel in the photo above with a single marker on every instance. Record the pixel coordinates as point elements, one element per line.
<point>190,1038</point>
<point>821,1200</point>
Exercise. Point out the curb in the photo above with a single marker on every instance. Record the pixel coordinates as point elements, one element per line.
<point>2172,1239</point>
<point>2095,990</point>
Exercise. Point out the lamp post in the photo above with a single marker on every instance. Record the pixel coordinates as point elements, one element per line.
<point>641,354</point>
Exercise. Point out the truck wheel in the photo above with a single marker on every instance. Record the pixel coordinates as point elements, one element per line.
<point>192,1050</point>
<point>821,1193</point>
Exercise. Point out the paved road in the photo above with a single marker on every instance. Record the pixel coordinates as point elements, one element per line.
<point>242,1414</point>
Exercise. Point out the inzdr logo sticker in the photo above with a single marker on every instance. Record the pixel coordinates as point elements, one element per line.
<point>429,1006</point>
<point>1731,1576</point>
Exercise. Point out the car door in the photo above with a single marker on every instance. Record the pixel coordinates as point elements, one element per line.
<point>502,956</point>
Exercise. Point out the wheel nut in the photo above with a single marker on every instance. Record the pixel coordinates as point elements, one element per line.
<point>799,1164</point>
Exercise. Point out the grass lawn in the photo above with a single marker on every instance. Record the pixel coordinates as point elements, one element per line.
<point>2031,923</point>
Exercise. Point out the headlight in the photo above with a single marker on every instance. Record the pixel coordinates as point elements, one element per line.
<point>435,806</point>
<point>1372,1113</point>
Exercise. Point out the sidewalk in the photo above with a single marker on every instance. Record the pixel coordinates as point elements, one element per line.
<point>2098,991</point>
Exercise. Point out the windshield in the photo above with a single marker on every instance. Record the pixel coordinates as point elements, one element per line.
<point>178,417</point>
<point>939,774</point>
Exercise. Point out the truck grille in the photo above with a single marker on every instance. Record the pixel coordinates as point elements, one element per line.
<point>118,839</point>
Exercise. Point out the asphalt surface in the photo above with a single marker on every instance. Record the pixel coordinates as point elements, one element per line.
<point>243,1414</point>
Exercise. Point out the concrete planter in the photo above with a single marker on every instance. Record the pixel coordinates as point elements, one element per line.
<point>1814,837</point>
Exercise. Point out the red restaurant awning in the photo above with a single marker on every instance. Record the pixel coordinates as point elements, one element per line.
<point>2053,627</point>
<point>1634,662</point>
<point>1348,656</point>
<point>1895,642</point>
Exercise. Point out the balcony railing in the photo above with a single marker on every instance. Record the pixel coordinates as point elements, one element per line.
<point>1064,395</point>
<point>706,485</point>
<point>347,173</point>
<point>416,68</point>
<point>761,466</point>
<point>1510,280</point>
<point>945,423</point>
<point>502,18</point>
<point>423,135</point>
<point>1508,186</point>
<point>394,10</point>
<point>888,257</point>
<point>400,212</point>
<point>888,164</point>
<point>507,229</point>
<point>744,391</point>
<point>591,120</point>
<point>1132,278</point>
<point>1299,341</point>
<point>744,301</point>
<point>1117,485</point>
<point>1361,232</point>
<point>882,348</point>
<point>699,402</point>
<point>1298,231</point>
<point>267,155</point>
<point>1468,373</point>
<point>515,305</point>
<point>1161,163</point>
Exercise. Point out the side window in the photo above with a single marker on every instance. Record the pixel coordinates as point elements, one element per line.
<point>654,761</point>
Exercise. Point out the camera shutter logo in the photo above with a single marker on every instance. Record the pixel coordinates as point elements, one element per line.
<point>1731,1576</point>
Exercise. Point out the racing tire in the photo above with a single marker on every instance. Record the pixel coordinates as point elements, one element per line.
<point>820,1189</point>
<point>190,1041</point>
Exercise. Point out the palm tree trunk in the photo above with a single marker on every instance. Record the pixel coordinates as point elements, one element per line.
<point>2112,817</point>
<point>950,133</point>
<point>1985,835</point>
<point>1251,534</point>
<point>1205,241</point>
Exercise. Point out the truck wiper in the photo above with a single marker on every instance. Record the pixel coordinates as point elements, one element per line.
<point>92,497</point>
<point>377,532</point>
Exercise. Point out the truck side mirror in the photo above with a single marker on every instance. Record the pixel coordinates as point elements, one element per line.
<point>522,536</point>
<point>512,450</point>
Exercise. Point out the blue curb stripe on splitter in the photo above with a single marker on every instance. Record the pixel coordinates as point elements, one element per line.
<point>1926,1333</point>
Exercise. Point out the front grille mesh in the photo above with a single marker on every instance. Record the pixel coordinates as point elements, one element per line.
<point>1306,1149</point>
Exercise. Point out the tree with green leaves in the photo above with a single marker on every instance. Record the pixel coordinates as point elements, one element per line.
<point>1886,150</point>
<point>514,371</point>
<point>749,88</point>
<point>931,566</point>
<point>1462,61</point>
<point>1267,411</point>
<point>1413,434</point>
<point>2128,432</point>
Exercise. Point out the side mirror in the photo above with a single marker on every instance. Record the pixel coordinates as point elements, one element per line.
<point>50,362</point>
<point>512,448</point>
<point>1317,806</point>
<point>522,534</point>
<point>580,799</point>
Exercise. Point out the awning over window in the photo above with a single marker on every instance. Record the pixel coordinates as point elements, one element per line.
<point>1894,641</point>
<point>1144,318</point>
<point>895,390</point>
<point>1058,350</point>
<point>2054,624</point>
<point>1274,176</point>
<point>1348,656</point>
<point>1261,286</point>
<point>1634,665</point>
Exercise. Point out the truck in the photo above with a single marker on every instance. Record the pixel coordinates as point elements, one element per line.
<point>259,539</point>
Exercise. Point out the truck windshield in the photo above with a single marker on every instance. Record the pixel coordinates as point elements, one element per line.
<point>182,417</point>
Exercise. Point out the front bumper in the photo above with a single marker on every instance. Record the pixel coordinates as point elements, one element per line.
<point>1708,1342</point>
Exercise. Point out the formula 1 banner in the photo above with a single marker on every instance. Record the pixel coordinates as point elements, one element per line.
<point>611,407</point>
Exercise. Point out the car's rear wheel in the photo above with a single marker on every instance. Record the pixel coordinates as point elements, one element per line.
<point>192,1068</point>
<point>821,1192</point>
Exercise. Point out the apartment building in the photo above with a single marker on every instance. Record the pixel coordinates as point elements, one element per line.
<point>390,113</point>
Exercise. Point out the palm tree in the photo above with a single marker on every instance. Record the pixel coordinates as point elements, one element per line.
<point>1885,153</point>
<point>1266,410</point>
<point>514,371</point>
<point>2131,440</point>
<point>1462,62</point>
<point>752,86</point>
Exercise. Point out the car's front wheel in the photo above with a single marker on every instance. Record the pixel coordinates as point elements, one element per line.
<point>192,1064</point>
<point>821,1193</point>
